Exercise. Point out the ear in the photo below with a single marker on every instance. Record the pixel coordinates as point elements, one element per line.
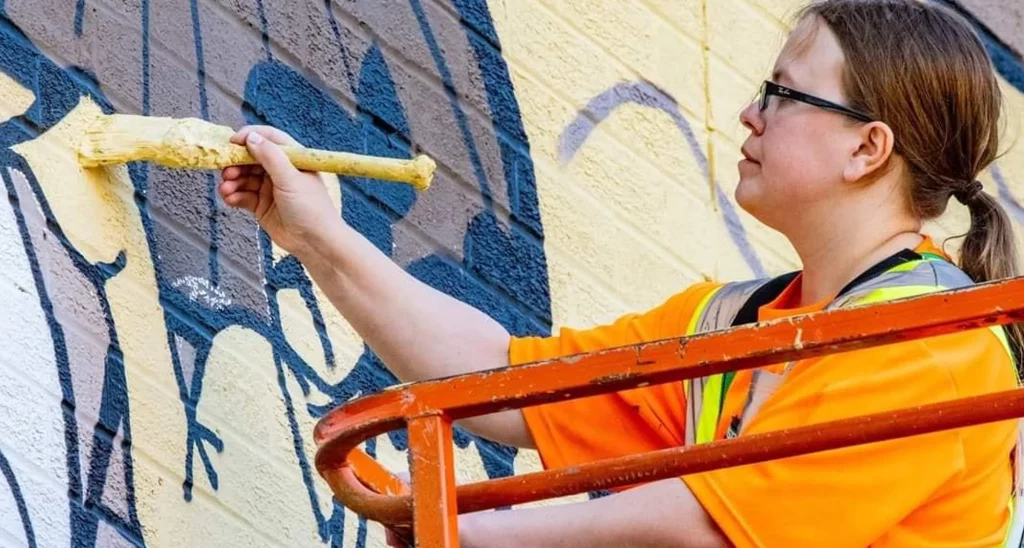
<point>872,148</point>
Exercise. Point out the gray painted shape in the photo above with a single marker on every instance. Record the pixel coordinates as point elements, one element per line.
<point>78,310</point>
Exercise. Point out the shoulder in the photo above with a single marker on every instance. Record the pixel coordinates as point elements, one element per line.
<point>670,317</point>
<point>667,319</point>
<point>690,300</point>
<point>910,373</point>
<point>977,361</point>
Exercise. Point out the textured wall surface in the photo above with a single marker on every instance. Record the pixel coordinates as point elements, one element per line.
<point>163,365</point>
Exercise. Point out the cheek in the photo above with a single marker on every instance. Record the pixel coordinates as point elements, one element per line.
<point>797,162</point>
<point>797,171</point>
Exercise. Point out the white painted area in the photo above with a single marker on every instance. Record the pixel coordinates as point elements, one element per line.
<point>30,411</point>
<point>202,291</point>
<point>11,531</point>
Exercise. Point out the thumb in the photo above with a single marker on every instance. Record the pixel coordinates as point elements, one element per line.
<point>271,157</point>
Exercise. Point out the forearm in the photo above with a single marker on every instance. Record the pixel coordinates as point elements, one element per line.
<point>660,514</point>
<point>418,332</point>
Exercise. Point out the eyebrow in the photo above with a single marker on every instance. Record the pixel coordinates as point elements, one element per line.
<point>780,74</point>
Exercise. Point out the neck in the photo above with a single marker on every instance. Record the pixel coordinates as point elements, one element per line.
<point>834,258</point>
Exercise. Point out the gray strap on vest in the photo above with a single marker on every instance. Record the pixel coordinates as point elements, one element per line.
<point>718,314</point>
<point>721,311</point>
<point>929,273</point>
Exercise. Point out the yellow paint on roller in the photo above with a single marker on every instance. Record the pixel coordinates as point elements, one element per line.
<point>16,98</point>
<point>179,143</point>
<point>191,143</point>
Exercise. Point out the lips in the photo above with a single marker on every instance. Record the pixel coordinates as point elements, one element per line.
<point>748,157</point>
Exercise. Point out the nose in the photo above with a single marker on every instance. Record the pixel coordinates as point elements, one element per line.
<point>752,118</point>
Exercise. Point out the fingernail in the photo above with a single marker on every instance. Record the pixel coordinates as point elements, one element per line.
<point>255,138</point>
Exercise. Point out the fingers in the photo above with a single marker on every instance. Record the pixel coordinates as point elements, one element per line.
<point>272,158</point>
<point>248,201</point>
<point>230,173</point>
<point>246,184</point>
<point>244,191</point>
<point>394,539</point>
<point>265,197</point>
<point>237,172</point>
<point>270,133</point>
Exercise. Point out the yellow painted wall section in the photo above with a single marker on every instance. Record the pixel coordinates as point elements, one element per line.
<point>16,98</point>
<point>652,225</point>
<point>165,364</point>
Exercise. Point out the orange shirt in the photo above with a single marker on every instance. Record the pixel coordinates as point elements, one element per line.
<point>944,489</point>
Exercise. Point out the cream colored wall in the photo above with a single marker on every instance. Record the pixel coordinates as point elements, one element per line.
<point>631,219</point>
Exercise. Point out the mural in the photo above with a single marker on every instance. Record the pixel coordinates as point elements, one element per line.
<point>164,363</point>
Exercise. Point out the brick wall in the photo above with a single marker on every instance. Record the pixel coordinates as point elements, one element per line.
<point>163,364</point>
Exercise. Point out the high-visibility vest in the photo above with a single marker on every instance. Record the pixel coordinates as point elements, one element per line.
<point>906,274</point>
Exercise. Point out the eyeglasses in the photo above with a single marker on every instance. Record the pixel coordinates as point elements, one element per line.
<point>769,88</point>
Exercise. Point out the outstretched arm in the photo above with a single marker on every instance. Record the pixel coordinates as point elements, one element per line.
<point>417,331</point>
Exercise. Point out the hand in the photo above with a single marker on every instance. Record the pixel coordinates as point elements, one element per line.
<point>292,206</point>
<point>399,537</point>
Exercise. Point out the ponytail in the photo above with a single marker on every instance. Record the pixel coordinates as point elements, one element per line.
<point>939,93</point>
<point>989,251</point>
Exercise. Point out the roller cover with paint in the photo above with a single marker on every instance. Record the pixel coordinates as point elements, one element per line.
<point>192,143</point>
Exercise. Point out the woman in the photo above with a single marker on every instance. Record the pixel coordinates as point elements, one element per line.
<point>878,112</point>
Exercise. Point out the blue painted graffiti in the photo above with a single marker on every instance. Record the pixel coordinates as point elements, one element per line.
<point>19,500</point>
<point>1008,63</point>
<point>58,91</point>
<point>204,111</point>
<point>79,16</point>
<point>503,271</point>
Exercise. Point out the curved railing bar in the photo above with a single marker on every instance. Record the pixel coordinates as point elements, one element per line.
<point>339,432</point>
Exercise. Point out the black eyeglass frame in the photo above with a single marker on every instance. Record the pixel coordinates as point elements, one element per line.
<point>769,89</point>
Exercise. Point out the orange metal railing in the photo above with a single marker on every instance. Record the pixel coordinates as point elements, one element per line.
<point>427,409</point>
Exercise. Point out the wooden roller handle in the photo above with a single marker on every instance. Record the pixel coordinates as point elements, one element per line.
<point>418,171</point>
<point>191,143</point>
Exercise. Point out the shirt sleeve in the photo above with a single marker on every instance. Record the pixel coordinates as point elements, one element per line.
<point>610,425</point>
<point>858,496</point>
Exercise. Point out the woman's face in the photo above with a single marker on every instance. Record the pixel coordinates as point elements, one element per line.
<point>795,156</point>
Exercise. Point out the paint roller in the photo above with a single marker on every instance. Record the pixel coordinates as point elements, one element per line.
<point>191,143</point>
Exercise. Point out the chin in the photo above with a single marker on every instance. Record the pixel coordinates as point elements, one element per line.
<point>750,198</point>
<point>745,195</point>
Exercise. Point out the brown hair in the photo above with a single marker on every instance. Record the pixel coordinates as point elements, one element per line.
<point>921,69</point>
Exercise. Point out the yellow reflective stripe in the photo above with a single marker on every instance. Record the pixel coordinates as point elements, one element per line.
<point>691,326</point>
<point>710,409</point>
<point>893,293</point>
<point>1001,335</point>
<point>905,267</point>
<point>707,418</point>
